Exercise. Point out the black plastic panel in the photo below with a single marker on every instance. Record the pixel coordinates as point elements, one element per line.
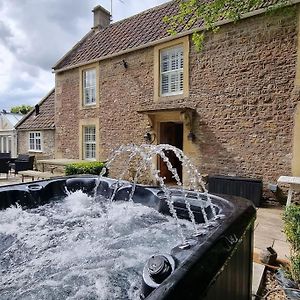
<point>250,189</point>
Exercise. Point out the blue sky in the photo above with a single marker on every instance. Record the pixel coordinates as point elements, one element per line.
<point>35,34</point>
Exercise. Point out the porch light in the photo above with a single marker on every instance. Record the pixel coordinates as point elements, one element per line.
<point>125,63</point>
<point>149,137</point>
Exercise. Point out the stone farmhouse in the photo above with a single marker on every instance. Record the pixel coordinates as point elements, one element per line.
<point>36,131</point>
<point>233,107</point>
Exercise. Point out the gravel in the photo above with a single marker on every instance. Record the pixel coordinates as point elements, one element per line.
<point>271,284</point>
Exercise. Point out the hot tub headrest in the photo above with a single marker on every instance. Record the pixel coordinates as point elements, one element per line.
<point>86,185</point>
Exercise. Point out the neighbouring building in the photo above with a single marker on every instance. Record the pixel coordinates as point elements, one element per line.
<point>233,107</point>
<point>8,133</point>
<point>36,131</point>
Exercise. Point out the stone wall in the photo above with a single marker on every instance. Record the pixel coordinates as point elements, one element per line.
<point>48,146</point>
<point>240,87</point>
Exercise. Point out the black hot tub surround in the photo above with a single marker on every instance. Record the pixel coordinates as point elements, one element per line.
<point>216,265</point>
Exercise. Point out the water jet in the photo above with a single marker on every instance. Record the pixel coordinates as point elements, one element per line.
<point>88,237</point>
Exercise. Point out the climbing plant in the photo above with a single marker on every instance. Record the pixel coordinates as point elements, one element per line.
<point>210,12</point>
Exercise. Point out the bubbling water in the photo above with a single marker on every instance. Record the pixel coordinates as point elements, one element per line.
<point>79,248</point>
<point>146,153</point>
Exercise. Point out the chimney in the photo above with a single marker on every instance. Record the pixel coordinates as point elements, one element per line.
<point>101,17</point>
<point>37,110</point>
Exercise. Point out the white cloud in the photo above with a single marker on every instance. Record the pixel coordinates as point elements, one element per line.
<point>34,34</point>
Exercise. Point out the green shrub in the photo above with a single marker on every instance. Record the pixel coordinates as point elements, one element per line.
<point>92,168</point>
<point>291,218</point>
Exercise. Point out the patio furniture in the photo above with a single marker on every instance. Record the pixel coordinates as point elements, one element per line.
<point>23,162</point>
<point>4,165</point>
<point>36,174</point>
<point>5,155</point>
<point>58,162</point>
<point>294,186</point>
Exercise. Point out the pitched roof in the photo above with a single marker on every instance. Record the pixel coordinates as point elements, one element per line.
<point>45,118</point>
<point>128,34</point>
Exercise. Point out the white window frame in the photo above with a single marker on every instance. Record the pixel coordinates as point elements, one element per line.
<point>86,143</point>
<point>89,86</point>
<point>173,70</point>
<point>35,141</point>
<point>5,143</point>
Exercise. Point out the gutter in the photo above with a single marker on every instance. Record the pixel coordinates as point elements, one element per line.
<point>36,129</point>
<point>163,40</point>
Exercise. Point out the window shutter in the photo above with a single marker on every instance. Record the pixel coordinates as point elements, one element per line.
<point>171,78</point>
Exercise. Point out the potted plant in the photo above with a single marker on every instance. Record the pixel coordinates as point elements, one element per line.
<point>289,279</point>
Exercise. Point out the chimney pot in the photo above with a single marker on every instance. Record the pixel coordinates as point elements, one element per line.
<point>37,109</point>
<point>102,17</point>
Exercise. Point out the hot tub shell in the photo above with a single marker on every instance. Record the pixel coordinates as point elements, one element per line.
<point>217,265</point>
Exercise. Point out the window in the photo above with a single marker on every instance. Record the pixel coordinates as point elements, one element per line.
<point>89,142</point>
<point>5,144</point>
<point>171,71</point>
<point>89,87</point>
<point>35,141</point>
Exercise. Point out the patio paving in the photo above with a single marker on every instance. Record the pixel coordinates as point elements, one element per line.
<point>268,231</point>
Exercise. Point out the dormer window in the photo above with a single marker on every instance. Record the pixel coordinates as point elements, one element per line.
<point>89,87</point>
<point>171,71</point>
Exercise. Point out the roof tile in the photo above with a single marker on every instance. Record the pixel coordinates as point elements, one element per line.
<point>45,118</point>
<point>132,32</point>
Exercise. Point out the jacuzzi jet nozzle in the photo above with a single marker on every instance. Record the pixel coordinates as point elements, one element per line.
<point>159,268</point>
<point>156,270</point>
<point>185,245</point>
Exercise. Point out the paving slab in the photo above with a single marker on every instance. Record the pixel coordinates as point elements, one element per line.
<point>269,230</point>
<point>282,249</point>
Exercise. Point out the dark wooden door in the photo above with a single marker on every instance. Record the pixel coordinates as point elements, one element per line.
<point>171,133</point>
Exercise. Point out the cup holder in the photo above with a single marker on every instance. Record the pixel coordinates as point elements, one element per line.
<point>34,187</point>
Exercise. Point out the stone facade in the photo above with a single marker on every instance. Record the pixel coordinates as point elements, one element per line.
<point>48,144</point>
<point>240,85</point>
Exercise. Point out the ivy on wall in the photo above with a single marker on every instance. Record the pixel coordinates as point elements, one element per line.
<point>209,13</point>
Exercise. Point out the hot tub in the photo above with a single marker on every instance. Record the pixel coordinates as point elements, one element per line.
<point>214,264</point>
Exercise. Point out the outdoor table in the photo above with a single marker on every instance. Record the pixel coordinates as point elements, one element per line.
<point>58,162</point>
<point>294,185</point>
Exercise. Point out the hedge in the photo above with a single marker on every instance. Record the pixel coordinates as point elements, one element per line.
<point>92,168</point>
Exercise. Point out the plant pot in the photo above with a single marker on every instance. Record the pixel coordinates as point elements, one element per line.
<point>288,284</point>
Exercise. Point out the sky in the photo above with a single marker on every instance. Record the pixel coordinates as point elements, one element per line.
<point>35,34</point>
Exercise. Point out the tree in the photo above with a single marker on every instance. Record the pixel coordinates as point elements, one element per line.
<point>21,109</point>
<point>209,13</point>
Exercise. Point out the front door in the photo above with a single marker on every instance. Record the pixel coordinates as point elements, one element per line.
<point>171,133</point>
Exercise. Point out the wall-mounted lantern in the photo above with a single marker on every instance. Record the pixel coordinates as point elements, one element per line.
<point>125,63</point>
<point>191,136</point>
<point>149,137</point>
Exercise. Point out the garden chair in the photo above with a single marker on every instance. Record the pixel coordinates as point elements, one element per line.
<point>23,162</point>
<point>4,166</point>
